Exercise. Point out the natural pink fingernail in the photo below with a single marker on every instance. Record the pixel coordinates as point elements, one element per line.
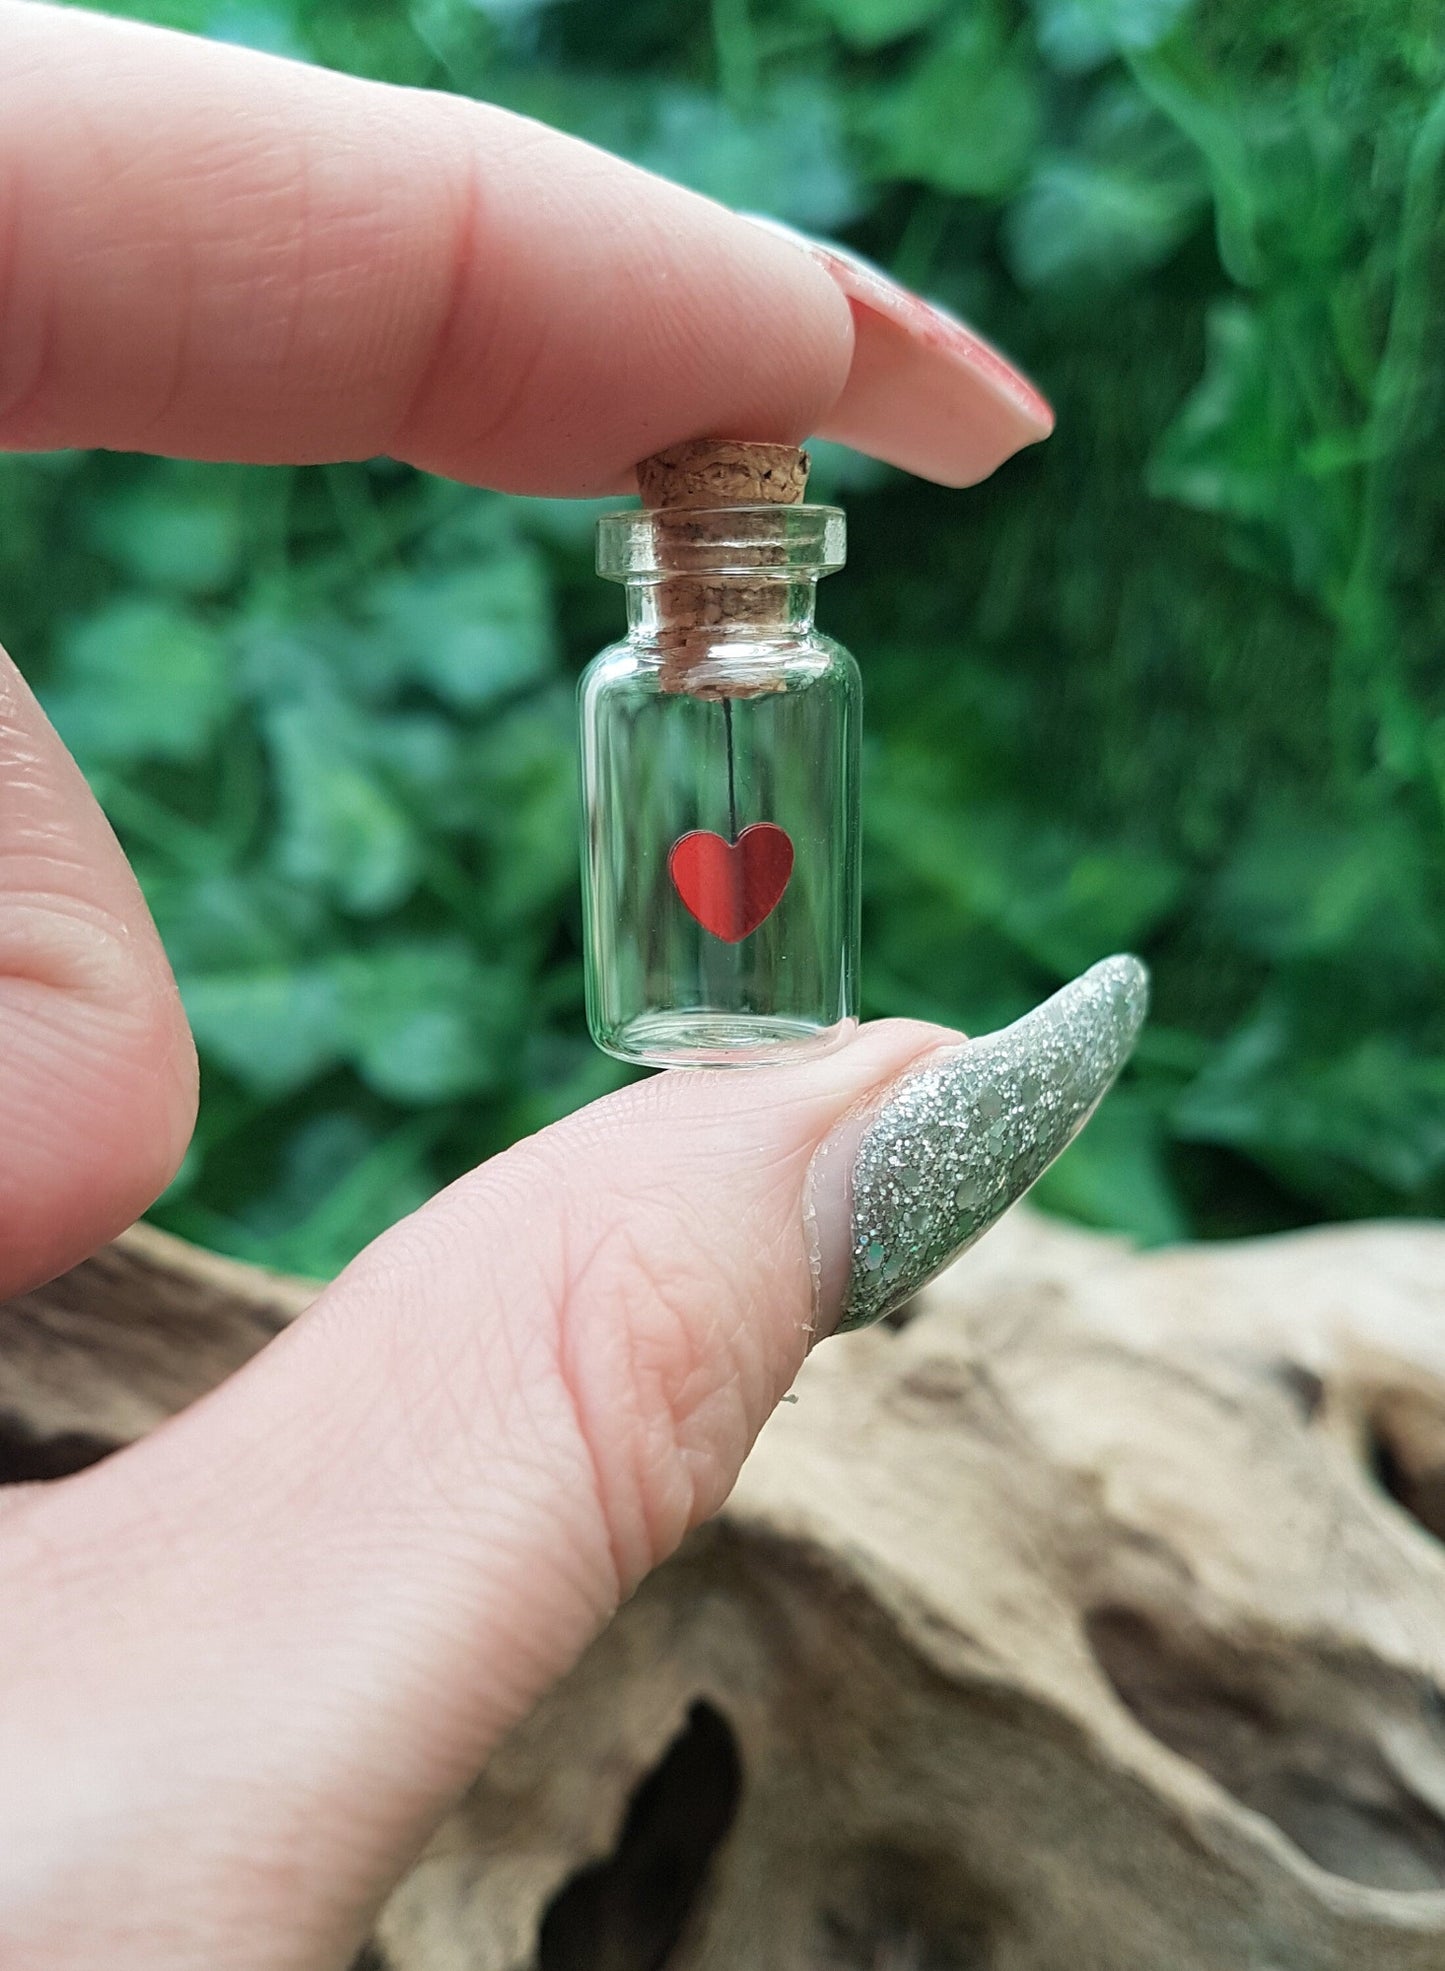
<point>925,392</point>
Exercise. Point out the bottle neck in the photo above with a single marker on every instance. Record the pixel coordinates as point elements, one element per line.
<point>735,608</point>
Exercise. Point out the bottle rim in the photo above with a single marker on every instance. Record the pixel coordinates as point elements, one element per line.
<point>647,544</point>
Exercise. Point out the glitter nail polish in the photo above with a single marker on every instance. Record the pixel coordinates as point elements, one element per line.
<point>909,1182</point>
<point>719,750</point>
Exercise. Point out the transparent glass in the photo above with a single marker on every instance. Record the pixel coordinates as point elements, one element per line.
<point>720,786</point>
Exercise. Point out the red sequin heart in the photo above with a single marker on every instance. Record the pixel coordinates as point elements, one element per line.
<point>731,887</point>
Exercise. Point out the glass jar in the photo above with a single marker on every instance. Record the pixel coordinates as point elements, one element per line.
<point>720,793</point>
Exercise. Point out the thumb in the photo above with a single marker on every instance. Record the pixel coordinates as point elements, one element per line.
<point>97,1070</point>
<point>316,1599</point>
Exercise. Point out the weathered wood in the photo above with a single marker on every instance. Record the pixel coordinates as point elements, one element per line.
<point>100,1356</point>
<point>1071,1626</point>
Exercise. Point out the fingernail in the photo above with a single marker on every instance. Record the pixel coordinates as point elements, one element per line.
<point>925,392</point>
<point>910,1180</point>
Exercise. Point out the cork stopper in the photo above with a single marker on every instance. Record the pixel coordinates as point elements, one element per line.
<point>711,472</point>
<point>704,477</point>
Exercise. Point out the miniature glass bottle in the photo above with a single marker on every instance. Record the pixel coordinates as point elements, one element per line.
<point>720,791</point>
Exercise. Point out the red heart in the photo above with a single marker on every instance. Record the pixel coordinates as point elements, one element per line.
<point>731,887</point>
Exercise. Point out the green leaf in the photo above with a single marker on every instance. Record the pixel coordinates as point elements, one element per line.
<point>1119,203</point>
<point>528,766</point>
<point>317,1192</point>
<point>273,1028</point>
<point>474,634</point>
<point>1239,449</point>
<point>340,831</point>
<point>427,1023</point>
<point>783,152</point>
<point>784,156</point>
<point>965,116</point>
<point>230,918</point>
<point>1304,885</point>
<point>185,534</point>
<point>1061,901</point>
<point>1360,1119</point>
<point>876,23</point>
<point>1116,1175</point>
<point>1082,34</point>
<point>1231,447</point>
<point>421,1023</point>
<point>140,681</point>
<point>268,25</point>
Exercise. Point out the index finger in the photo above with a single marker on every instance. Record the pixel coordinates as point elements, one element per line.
<point>216,253</point>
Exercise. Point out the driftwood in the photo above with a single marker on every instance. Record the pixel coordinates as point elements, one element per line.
<point>1092,1619</point>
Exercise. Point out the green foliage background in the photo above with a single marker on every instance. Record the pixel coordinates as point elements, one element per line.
<point>1173,682</point>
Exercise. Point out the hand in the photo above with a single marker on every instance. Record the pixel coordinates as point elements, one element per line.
<point>245,1664</point>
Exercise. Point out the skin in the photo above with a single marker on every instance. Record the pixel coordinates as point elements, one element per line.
<point>246,1665</point>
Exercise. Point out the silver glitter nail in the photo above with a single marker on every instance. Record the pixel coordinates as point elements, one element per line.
<point>961,1137</point>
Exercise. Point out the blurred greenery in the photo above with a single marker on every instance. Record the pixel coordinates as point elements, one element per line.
<point>1172,682</point>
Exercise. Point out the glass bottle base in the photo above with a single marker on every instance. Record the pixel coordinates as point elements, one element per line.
<point>695,1037</point>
